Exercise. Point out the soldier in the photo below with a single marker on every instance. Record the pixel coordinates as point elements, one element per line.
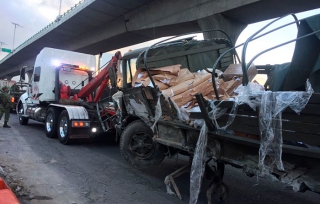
<point>5,105</point>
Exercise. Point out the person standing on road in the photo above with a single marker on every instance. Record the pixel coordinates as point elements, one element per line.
<point>5,105</point>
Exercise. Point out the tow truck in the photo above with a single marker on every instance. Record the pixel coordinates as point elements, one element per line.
<point>16,90</point>
<point>65,94</point>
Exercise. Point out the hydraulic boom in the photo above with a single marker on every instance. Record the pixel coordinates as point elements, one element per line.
<point>101,80</point>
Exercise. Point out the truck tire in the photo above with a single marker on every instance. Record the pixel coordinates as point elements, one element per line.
<point>51,122</point>
<point>63,128</point>
<point>22,120</point>
<point>138,147</point>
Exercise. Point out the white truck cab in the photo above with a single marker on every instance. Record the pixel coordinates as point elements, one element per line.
<point>54,68</point>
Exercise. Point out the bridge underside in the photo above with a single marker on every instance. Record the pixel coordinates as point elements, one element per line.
<point>103,25</point>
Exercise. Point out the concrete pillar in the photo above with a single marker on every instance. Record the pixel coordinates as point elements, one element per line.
<point>232,27</point>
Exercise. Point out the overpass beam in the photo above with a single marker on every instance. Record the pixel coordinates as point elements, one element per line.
<point>232,27</point>
<point>8,77</point>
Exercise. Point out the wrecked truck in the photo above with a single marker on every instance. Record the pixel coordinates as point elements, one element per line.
<point>196,98</point>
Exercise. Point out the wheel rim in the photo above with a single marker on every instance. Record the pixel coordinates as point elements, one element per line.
<point>63,127</point>
<point>49,122</point>
<point>20,113</point>
<point>141,145</point>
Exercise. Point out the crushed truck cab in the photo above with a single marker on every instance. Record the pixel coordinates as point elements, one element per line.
<point>196,98</point>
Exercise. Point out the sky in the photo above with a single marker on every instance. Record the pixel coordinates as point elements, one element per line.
<point>33,15</point>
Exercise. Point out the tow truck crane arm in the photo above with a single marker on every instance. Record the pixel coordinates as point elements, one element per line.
<point>101,80</point>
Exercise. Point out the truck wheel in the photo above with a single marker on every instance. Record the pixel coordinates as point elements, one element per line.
<point>138,147</point>
<point>22,120</point>
<point>64,127</point>
<point>51,122</point>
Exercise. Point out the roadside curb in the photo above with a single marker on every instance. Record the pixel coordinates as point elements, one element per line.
<point>6,195</point>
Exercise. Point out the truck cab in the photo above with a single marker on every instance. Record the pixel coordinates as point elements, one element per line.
<point>51,98</point>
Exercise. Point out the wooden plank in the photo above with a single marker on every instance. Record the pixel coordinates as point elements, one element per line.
<point>307,128</point>
<point>300,137</point>
<point>244,108</point>
<point>301,151</point>
<point>309,109</point>
<point>314,99</point>
<point>253,130</point>
<point>304,118</point>
<point>287,135</point>
<point>303,128</point>
<point>285,148</point>
<point>313,109</point>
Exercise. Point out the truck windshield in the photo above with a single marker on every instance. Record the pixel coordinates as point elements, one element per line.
<point>131,64</point>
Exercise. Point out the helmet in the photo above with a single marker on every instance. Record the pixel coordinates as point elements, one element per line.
<point>5,87</point>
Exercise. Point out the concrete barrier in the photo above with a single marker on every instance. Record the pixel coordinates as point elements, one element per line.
<point>6,195</point>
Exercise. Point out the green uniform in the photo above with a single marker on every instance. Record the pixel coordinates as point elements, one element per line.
<point>5,105</point>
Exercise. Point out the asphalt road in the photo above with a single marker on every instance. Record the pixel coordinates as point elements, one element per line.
<point>92,171</point>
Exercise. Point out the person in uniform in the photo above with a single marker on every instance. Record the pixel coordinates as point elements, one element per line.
<point>5,105</point>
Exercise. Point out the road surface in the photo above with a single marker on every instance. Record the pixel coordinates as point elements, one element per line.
<point>92,171</point>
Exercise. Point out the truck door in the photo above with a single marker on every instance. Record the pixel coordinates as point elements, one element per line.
<point>34,89</point>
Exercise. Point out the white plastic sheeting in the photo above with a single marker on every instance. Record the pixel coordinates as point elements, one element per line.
<point>157,114</point>
<point>250,94</point>
<point>117,97</point>
<point>271,105</point>
<point>270,123</point>
<point>198,164</point>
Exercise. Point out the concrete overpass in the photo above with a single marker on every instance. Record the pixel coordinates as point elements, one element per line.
<point>95,26</point>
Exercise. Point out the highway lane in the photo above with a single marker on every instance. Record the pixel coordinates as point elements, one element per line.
<point>93,171</point>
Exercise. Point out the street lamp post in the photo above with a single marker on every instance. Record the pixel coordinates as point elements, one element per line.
<point>14,33</point>
<point>60,8</point>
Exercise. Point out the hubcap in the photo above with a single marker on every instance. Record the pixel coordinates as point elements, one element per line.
<point>49,122</point>
<point>141,145</point>
<point>63,127</point>
<point>20,113</point>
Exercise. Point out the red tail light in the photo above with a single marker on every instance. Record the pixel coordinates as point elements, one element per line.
<point>12,99</point>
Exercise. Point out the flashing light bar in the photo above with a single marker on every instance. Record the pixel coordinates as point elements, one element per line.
<point>67,67</point>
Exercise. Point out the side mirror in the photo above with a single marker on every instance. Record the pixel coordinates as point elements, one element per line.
<point>112,76</point>
<point>22,74</point>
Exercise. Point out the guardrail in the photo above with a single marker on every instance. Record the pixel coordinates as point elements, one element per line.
<point>45,28</point>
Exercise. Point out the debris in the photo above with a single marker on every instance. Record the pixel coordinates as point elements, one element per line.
<point>18,188</point>
<point>1,170</point>
<point>236,70</point>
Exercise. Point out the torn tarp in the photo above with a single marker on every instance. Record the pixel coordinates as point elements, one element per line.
<point>271,105</point>
<point>270,123</point>
<point>198,165</point>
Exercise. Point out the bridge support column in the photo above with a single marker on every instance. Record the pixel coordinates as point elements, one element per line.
<point>232,27</point>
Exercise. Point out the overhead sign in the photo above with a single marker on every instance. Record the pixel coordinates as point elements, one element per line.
<point>6,50</point>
